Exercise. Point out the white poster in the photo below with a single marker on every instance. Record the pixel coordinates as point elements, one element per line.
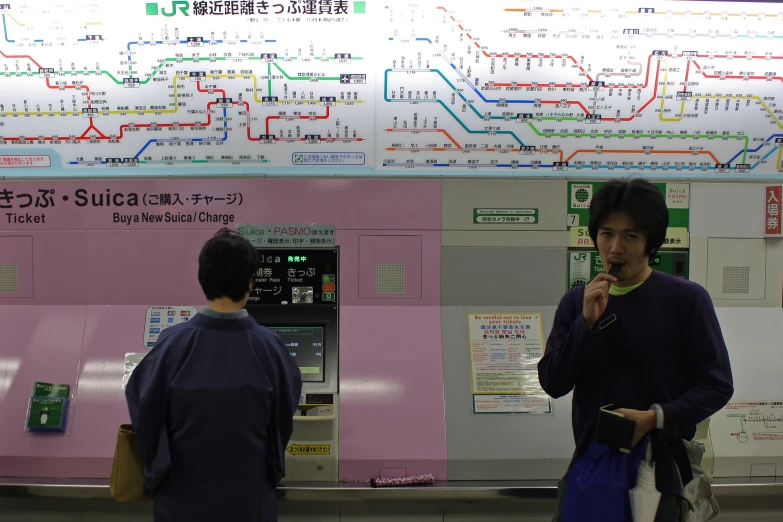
<point>748,429</point>
<point>512,404</point>
<point>161,317</point>
<point>505,349</point>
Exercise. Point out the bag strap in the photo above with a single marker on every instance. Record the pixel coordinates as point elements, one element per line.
<point>639,381</point>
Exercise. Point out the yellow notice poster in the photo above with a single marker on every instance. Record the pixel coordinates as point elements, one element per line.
<point>504,351</point>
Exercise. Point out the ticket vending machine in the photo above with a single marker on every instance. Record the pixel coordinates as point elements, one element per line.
<point>296,294</point>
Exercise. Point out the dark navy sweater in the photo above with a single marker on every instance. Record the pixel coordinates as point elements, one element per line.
<point>671,326</point>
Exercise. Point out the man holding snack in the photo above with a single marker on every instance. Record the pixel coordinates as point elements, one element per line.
<point>665,325</point>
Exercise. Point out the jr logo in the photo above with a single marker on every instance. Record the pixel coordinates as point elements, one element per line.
<point>181,5</point>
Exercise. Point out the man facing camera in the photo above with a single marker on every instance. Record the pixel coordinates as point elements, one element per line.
<point>669,328</point>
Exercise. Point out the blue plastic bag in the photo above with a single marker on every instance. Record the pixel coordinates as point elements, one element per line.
<point>598,484</point>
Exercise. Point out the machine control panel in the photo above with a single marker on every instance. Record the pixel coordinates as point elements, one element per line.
<point>301,277</point>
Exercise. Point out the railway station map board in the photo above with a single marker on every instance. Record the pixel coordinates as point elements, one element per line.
<point>365,88</point>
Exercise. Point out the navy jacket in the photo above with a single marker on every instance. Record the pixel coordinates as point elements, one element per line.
<point>212,405</point>
<point>671,327</point>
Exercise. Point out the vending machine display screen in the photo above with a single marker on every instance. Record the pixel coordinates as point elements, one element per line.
<point>306,346</point>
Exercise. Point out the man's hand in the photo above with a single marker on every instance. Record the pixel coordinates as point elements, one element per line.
<point>645,422</point>
<point>596,298</point>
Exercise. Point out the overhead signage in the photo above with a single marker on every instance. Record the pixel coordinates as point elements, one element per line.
<point>772,225</point>
<point>296,235</point>
<point>505,216</point>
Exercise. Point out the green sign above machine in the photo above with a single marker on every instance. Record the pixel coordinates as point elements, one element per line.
<point>583,266</point>
<point>505,216</point>
<point>580,194</point>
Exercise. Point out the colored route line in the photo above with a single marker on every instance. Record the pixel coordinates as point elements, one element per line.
<point>543,102</point>
<point>646,83</point>
<point>672,13</point>
<point>161,42</point>
<point>101,136</point>
<point>578,85</point>
<point>442,131</point>
<point>462,124</point>
<point>36,40</point>
<point>160,66</point>
<point>20,24</point>
<point>291,118</point>
<point>757,149</point>
<point>632,151</point>
<point>224,138</point>
<point>679,117</point>
<point>542,55</point>
<point>739,77</point>
<point>175,78</point>
<point>549,135</point>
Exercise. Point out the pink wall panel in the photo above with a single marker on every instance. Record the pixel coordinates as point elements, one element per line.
<point>43,343</point>
<point>390,250</point>
<point>141,267</point>
<point>59,269</point>
<point>18,251</point>
<point>110,333</point>
<point>82,257</point>
<point>392,419</point>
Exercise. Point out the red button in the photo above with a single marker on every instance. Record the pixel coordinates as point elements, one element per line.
<point>328,287</point>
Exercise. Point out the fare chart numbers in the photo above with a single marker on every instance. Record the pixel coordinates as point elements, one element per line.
<point>186,87</point>
<point>660,89</point>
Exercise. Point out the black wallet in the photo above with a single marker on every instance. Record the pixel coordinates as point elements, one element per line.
<point>615,429</point>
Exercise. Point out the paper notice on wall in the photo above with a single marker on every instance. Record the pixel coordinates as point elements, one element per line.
<point>512,404</point>
<point>131,361</point>
<point>505,349</point>
<point>748,429</point>
<point>161,317</point>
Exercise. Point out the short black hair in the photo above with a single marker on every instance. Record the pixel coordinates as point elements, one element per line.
<point>226,266</point>
<point>638,198</point>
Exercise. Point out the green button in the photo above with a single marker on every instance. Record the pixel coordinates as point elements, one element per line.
<point>328,296</point>
<point>328,278</point>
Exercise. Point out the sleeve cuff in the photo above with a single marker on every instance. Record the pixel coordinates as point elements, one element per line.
<point>658,416</point>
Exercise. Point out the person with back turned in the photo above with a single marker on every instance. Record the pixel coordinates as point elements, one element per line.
<point>669,327</point>
<point>213,402</point>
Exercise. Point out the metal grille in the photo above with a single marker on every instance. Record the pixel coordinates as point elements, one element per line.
<point>390,279</point>
<point>736,279</point>
<point>8,278</point>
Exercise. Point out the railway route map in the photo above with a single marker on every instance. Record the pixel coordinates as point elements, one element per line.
<point>511,88</point>
<point>185,87</point>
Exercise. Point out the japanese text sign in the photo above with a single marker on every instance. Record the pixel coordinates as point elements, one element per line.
<point>772,198</point>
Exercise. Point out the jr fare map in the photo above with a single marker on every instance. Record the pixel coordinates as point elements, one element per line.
<point>516,88</point>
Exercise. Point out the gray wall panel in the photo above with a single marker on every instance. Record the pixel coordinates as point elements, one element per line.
<point>461,196</point>
<point>511,276</point>
<point>498,446</point>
